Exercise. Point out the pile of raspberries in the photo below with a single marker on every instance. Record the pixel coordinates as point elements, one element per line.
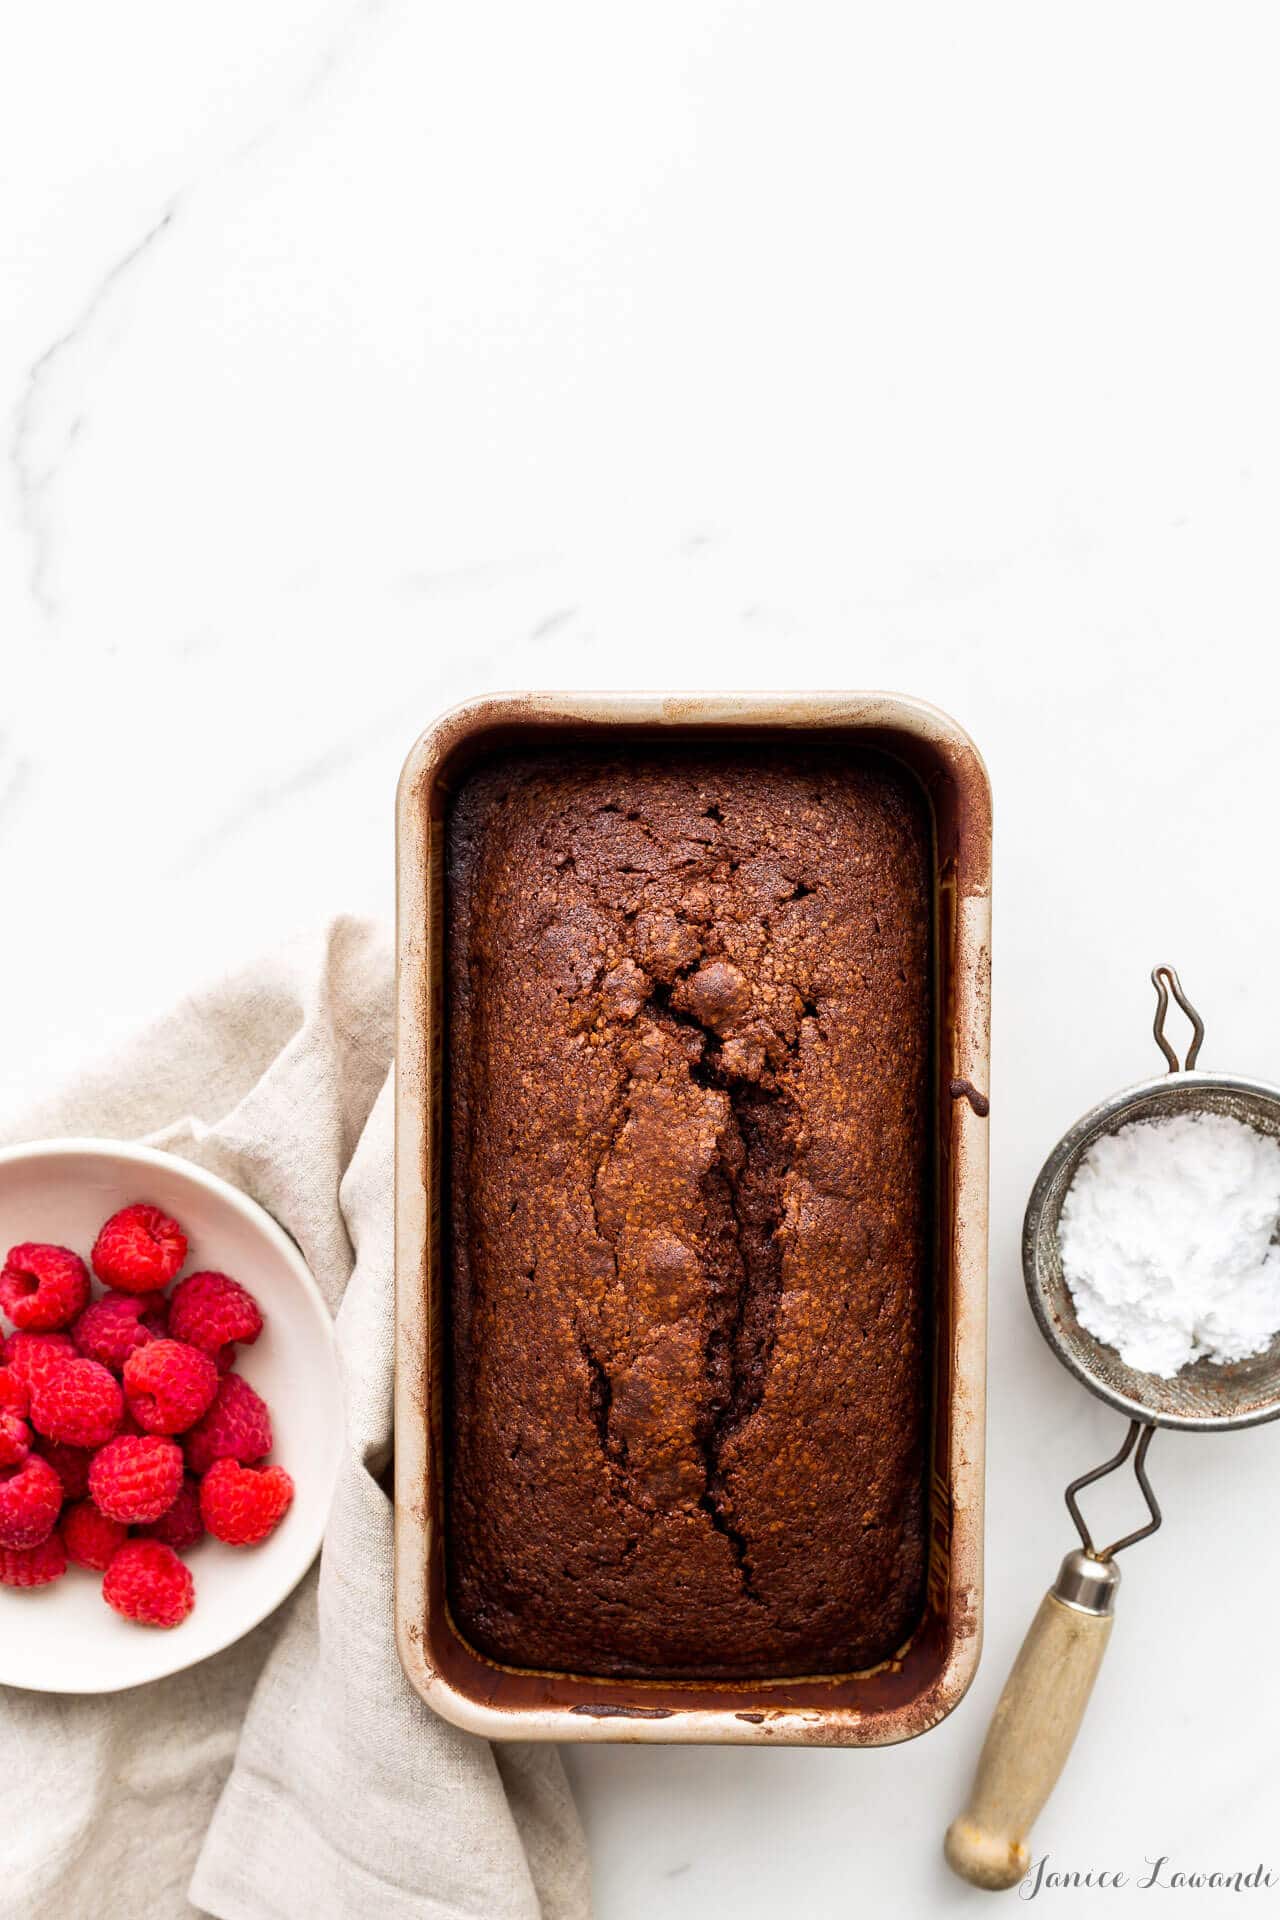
<point>125,1433</point>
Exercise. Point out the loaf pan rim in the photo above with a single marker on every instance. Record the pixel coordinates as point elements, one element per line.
<point>841,712</point>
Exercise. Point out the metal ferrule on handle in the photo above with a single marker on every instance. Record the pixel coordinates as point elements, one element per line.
<point>1087,1584</point>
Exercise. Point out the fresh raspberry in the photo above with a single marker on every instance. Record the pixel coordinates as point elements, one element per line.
<point>31,1353</point>
<point>43,1287</point>
<point>139,1249</point>
<point>33,1566</point>
<point>112,1326</point>
<point>212,1311</point>
<point>15,1395</point>
<point>15,1434</point>
<point>242,1505</point>
<point>78,1402</point>
<point>148,1583</point>
<point>135,1477</point>
<point>90,1537</point>
<point>30,1500</point>
<point>169,1385</point>
<point>15,1439</point>
<point>180,1526</point>
<point>236,1427</point>
<point>71,1464</point>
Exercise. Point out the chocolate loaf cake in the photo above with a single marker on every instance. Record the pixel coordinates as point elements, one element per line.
<point>688,1019</point>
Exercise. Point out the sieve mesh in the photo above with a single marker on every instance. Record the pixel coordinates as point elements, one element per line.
<point>1206,1394</point>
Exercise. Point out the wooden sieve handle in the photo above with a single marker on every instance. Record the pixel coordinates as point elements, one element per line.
<point>1034,1725</point>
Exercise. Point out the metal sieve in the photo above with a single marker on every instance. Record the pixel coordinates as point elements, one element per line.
<point>1039,1712</point>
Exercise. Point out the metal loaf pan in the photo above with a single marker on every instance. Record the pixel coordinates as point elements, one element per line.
<point>924,1680</point>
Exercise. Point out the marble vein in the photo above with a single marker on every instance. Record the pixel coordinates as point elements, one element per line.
<point>310,773</point>
<point>16,770</point>
<point>34,470</point>
<point>33,475</point>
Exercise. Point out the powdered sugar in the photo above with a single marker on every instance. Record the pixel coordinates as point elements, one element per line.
<point>1168,1236</point>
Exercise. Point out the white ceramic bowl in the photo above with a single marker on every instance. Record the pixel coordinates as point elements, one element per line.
<point>64,1638</point>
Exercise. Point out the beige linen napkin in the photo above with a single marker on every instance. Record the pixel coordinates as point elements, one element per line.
<point>296,1774</point>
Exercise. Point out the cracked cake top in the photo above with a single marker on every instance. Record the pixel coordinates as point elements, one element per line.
<point>688,1019</point>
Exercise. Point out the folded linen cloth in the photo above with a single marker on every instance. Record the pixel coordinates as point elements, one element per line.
<point>296,1774</point>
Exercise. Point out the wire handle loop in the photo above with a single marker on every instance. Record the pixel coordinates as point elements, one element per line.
<point>1100,1473</point>
<point>1164,979</point>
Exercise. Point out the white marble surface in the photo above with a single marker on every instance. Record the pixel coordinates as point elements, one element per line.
<point>357,357</point>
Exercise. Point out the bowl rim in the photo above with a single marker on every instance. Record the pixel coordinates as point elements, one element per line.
<point>171,1658</point>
